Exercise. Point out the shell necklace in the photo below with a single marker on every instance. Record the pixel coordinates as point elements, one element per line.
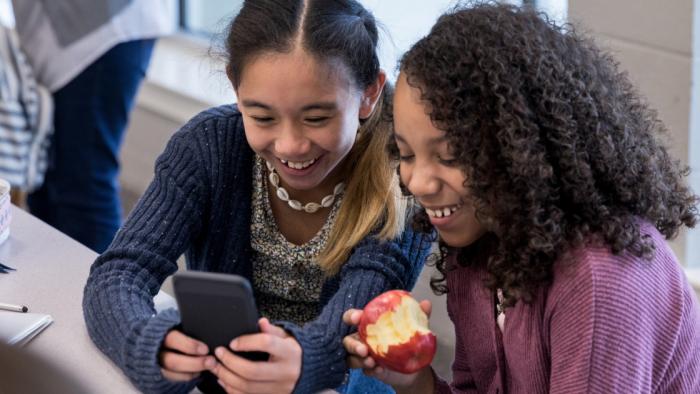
<point>311,207</point>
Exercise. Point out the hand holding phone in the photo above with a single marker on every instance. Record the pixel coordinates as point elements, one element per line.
<point>215,308</point>
<point>183,358</point>
<point>279,375</point>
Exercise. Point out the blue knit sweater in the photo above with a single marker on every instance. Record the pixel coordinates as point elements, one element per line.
<point>199,203</point>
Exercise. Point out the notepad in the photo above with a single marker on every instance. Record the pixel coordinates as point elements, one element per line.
<point>19,328</point>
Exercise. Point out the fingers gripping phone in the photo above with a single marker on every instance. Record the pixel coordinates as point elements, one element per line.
<point>216,308</point>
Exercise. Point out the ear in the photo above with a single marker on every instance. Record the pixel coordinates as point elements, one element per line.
<point>371,95</point>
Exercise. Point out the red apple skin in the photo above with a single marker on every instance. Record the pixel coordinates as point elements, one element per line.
<point>408,357</point>
<point>387,301</point>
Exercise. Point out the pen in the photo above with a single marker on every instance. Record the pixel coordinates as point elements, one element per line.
<point>4,269</point>
<point>14,308</point>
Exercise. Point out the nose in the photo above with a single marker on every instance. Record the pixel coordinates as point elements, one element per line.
<point>292,142</point>
<point>423,180</point>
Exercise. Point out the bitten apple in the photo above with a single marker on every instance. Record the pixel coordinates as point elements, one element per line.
<point>395,329</point>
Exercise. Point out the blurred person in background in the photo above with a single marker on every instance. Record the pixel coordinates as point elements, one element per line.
<point>92,55</point>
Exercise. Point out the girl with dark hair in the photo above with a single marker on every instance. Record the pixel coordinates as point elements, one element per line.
<point>542,171</point>
<point>290,188</point>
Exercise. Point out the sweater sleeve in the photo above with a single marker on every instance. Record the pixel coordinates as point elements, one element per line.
<point>374,267</point>
<point>118,297</point>
<point>462,381</point>
<point>616,325</point>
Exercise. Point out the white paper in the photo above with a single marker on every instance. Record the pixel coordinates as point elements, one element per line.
<point>18,328</point>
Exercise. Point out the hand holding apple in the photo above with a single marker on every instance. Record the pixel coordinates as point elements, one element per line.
<point>395,330</point>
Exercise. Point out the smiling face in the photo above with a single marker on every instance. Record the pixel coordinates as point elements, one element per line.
<point>429,171</point>
<point>301,116</point>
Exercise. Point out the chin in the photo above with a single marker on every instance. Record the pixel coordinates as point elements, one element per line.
<point>459,240</point>
<point>300,186</point>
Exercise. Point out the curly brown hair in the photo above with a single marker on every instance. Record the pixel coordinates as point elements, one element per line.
<point>556,145</point>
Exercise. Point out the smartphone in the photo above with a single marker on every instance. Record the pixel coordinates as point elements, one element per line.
<point>215,308</point>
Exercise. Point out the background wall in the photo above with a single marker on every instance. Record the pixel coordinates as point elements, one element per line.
<point>653,40</point>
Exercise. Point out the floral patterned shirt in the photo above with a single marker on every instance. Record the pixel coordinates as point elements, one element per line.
<point>286,277</point>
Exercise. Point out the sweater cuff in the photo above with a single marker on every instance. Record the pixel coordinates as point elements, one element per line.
<point>440,386</point>
<point>319,369</point>
<point>142,365</point>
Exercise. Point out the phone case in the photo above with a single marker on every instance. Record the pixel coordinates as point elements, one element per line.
<point>215,308</point>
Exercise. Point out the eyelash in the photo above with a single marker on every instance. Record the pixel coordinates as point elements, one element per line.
<point>317,120</point>
<point>448,162</point>
<point>262,119</point>
<point>268,119</point>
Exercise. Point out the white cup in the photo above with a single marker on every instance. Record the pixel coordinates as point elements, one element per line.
<point>5,210</point>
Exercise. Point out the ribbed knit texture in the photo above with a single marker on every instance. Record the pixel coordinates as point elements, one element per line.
<point>199,203</point>
<point>607,324</point>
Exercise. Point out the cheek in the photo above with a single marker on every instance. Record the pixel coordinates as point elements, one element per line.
<point>350,127</point>
<point>457,181</point>
<point>405,175</point>
<point>340,137</point>
<point>350,117</point>
<point>256,139</point>
<point>474,228</point>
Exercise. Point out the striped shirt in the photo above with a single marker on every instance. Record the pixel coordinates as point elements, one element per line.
<point>26,117</point>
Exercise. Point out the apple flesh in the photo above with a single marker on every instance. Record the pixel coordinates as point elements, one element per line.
<point>395,329</point>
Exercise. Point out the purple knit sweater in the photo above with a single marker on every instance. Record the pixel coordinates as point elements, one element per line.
<point>607,324</point>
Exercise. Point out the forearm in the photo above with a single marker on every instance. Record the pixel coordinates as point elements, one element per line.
<point>119,311</point>
<point>120,319</point>
<point>323,355</point>
<point>132,341</point>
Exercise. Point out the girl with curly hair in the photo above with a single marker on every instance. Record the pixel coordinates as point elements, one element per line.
<point>541,168</point>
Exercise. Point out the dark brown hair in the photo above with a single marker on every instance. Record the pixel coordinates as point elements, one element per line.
<point>556,145</point>
<point>330,30</point>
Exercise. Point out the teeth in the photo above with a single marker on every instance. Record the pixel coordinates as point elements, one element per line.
<point>442,212</point>
<point>298,165</point>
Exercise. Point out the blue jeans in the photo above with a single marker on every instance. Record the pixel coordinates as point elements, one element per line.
<point>359,383</point>
<point>80,194</point>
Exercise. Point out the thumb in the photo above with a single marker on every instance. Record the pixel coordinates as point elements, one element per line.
<point>269,328</point>
<point>426,306</point>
